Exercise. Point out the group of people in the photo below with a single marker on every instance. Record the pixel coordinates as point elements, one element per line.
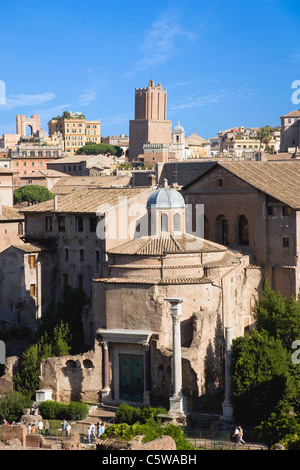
<point>66,428</point>
<point>34,428</point>
<point>238,435</point>
<point>95,430</point>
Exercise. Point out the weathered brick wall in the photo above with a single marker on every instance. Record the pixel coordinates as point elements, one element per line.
<point>13,432</point>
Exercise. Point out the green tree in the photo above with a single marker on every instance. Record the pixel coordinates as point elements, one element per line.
<point>96,149</point>
<point>12,405</point>
<point>32,194</point>
<point>260,375</point>
<point>278,315</point>
<point>264,134</point>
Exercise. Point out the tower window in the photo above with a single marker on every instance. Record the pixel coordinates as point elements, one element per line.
<point>177,223</point>
<point>164,222</point>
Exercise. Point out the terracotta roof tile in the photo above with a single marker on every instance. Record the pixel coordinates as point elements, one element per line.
<point>164,244</point>
<point>87,200</point>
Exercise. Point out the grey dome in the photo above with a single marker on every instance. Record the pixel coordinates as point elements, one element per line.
<point>165,198</point>
<point>178,128</point>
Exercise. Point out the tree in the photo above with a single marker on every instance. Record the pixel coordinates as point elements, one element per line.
<point>278,315</point>
<point>264,134</point>
<point>260,375</point>
<point>32,194</point>
<point>12,405</point>
<point>96,149</point>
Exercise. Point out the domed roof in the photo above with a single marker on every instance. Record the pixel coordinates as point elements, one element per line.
<point>165,198</point>
<point>178,128</point>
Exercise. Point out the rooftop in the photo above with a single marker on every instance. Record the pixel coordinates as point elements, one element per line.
<point>278,179</point>
<point>87,201</point>
<point>166,244</point>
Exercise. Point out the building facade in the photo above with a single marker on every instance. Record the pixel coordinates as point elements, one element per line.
<point>290,132</point>
<point>75,131</point>
<point>131,314</point>
<point>254,207</point>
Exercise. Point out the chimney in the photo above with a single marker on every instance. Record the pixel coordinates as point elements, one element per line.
<point>0,206</point>
<point>55,203</point>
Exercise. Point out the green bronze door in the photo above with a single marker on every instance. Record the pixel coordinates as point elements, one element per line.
<point>131,377</point>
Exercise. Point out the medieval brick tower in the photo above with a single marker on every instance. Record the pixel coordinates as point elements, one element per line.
<point>150,125</point>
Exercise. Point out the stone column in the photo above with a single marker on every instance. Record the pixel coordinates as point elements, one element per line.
<point>105,392</point>
<point>227,405</point>
<point>177,401</point>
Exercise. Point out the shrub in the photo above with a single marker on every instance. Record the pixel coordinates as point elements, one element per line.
<point>150,430</point>
<point>131,414</point>
<point>56,410</point>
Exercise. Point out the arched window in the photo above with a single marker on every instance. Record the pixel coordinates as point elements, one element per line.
<point>177,222</point>
<point>164,222</point>
<point>243,230</point>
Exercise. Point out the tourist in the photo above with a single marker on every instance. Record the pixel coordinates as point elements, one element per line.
<point>65,426</point>
<point>89,434</point>
<point>241,441</point>
<point>236,434</point>
<point>40,426</point>
<point>68,430</point>
<point>47,427</point>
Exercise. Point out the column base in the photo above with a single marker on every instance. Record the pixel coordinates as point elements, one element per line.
<point>178,405</point>
<point>106,394</point>
<point>227,410</point>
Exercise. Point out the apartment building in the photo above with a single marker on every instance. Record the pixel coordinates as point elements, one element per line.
<point>75,131</point>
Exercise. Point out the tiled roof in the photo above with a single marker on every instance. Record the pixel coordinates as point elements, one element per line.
<point>87,200</point>
<point>279,179</point>
<point>68,184</point>
<point>164,244</point>
<point>295,113</point>
<point>123,280</point>
<point>10,213</point>
<point>34,247</point>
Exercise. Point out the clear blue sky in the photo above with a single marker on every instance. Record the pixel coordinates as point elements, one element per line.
<point>224,63</point>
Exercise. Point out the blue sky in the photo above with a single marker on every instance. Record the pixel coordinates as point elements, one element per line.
<point>224,63</point>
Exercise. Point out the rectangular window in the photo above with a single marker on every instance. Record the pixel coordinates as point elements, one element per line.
<point>66,254</point>
<point>79,224</point>
<point>93,224</point>
<point>65,279</point>
<point>61,223</point>
<point>285,242</point>
<point>80,281</point>
<point>81,255</point>
<point>286,211</point>
<point>48,224</point>
<point>98,256</point>
<point>32,290</point>
<point>32,261</point>
<point>270,210</point>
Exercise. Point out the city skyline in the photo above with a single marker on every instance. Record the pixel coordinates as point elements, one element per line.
<point>223,64</point>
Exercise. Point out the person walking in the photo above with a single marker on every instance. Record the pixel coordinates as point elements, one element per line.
<point>40,426</point>
<point>47,427</point>
<point>241,432</point>
<point>236,434</point>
